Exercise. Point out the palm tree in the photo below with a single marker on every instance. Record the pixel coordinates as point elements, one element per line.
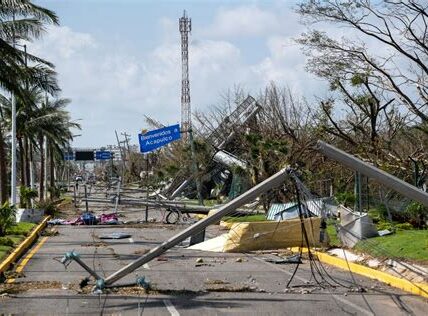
<point>21,20</point>
<point>53,122</point>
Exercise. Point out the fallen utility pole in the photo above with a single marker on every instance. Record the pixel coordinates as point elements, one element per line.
<point>367,169</point>
<point>270,183</point>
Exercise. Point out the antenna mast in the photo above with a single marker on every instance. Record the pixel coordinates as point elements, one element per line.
<point>185,25</point>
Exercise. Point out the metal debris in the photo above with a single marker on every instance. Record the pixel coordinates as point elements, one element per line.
<point>290,259</point>
<point>115,235</point>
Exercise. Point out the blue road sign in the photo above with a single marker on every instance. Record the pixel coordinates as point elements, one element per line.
<point>103,155</point>
<point>158,138</point>
<point>68,156</point>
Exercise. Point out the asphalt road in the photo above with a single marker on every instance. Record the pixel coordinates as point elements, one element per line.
<point>222,284</point>
<point>218,286</point>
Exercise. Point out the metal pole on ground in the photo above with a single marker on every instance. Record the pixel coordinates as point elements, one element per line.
<point>250,195</point>
<point>379,175</point>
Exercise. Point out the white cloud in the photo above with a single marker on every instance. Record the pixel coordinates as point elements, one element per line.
<point>63,42</point>
<point>243,21</point>
<point>113,88</point>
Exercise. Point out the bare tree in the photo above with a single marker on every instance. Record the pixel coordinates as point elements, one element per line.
<point>389,48</point>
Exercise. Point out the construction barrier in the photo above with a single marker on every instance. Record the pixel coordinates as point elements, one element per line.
<point>22,248</point>
<point>250,236</point>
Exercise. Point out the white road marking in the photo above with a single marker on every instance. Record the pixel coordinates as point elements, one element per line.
<point>171,309</point>
<point>131,240</point>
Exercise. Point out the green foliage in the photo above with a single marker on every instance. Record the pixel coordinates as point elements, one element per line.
<point>345,198</point>
<point>171,169</point>
<point>55,192</point>
<point>404,244</point>
<point>7,217</point>
<point>417,214</point>
<point>4,251</point>
<point>332,233</point>
<point>378,214</point>
<point>248,218</point>
<point>26,194</point>
<point>21,228</point>
<point>358,79</point>
<point>404,226</point>
<point>382,225</point>
<point>6,241</point>
<point>48,205</point>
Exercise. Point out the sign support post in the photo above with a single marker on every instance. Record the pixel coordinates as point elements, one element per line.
<point>147,187</point>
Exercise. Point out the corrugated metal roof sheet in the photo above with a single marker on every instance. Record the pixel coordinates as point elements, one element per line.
<point>281,211</point>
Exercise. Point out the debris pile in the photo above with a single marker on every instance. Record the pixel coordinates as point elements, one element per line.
<point>88,219</point>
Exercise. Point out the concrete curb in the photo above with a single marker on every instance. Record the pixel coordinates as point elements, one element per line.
<point>402,284</point>
<point>23,246</point>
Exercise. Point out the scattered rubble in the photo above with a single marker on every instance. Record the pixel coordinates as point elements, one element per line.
<point>50,232</point>
<point>141,251</point>
<point>211,282</point>
<point>14,275</point>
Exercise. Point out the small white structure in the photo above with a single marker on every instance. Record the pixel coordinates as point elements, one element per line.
<point>355,227</point>
<point>29,215</point>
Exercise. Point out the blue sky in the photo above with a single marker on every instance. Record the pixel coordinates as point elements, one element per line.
<point>120,60</point>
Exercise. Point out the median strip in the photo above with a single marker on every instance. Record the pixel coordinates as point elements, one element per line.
<point>23,247</point>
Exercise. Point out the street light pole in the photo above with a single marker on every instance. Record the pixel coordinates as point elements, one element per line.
<point>13,166</point>
<point>13,162</point>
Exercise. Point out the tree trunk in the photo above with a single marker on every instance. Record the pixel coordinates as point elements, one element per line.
<point>3,170</point>
<point>42,170</point>
<point>27,161</point>
<point>32,168</point>
<point>52,172</point>
<point>21,161</point>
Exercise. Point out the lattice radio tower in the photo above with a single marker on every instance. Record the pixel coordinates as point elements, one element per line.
<point>185,25</point>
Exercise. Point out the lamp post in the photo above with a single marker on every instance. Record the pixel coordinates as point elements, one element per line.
<point>68,152</point>
<point>13,164</point>
<point>13,135</point>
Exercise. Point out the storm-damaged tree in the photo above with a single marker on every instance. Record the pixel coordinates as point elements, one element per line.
<point>389,47</point>
<point>377,75</point>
